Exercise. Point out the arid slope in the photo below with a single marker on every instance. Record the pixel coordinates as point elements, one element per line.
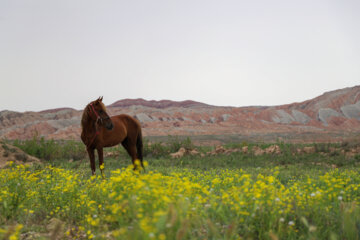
<point>335,113</point>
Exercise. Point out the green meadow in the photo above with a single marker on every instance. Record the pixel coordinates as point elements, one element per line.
<point>289,195</point>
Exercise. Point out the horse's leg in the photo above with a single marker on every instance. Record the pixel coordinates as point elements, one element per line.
<point>101,160</point>
<point>92,159</point>
<point>131,150</point>
<point>139,149</point>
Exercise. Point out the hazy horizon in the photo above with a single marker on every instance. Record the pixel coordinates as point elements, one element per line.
<point>107,104</point>
<point>58,54</point>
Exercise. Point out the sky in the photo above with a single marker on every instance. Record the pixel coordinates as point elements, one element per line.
<point>227,53</point>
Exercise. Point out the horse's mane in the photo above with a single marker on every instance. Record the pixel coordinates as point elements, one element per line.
<point>85,117</point>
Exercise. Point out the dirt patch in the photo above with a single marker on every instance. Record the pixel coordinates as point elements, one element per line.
<point>178,154</point>
<point>9,153</point>
<point>258,151</point>
<point>221,150</point>
<point>182,151</point>
<point>271,150</point>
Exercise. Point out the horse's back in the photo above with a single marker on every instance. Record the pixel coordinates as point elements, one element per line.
<point>127,120</point>
<point>132,125</point>
<point>125,127</point>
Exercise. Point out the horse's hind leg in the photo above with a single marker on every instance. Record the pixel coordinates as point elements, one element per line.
<point>139,149</point>
<point>131,150</point>
<point>92,159</point>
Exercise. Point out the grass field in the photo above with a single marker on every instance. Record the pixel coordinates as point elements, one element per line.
<point>236,196</point>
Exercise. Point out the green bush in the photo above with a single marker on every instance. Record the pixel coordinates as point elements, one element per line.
<point>52,149</point>
<point>172,144</point>
<point>175,143</point>
<point>69,149</point>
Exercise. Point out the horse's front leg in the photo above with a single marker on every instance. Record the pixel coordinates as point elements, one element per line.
<point>101,160</point>
<point>92,159</point>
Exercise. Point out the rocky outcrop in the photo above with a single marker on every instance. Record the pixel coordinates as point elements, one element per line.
<point>143,118</point>
<point>157,104</point>
<point>325,113</point>
<point>10,154</point>
<point>351,110</point>
<point>332,113</point>
<point>281,116</point>
<point>225,117</point>
<point>300,116</point>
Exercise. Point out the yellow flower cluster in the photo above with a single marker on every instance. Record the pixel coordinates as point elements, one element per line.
<point>181,204</point>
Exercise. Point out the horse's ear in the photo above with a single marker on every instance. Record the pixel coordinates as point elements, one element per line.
<point>99,100</point>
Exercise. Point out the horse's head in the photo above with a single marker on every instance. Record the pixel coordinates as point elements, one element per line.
<point>97,111</point>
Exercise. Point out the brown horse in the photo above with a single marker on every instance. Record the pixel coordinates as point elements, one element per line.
<point>99,131</point>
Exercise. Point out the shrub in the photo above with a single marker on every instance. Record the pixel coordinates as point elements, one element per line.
<point>51,149</point>
<point>175,143</point>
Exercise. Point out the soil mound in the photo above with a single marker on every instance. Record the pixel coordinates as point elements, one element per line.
<point>9,153</point>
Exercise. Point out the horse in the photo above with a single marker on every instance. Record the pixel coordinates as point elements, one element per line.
<point>100,131</point>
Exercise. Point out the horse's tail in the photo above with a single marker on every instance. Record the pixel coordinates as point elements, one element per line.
<point>139,148</point>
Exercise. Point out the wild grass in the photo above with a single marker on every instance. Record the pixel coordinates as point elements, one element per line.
<point>235,196</point>
<point>51,149</point>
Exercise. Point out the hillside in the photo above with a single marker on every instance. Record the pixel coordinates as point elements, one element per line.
<point>331,116</point>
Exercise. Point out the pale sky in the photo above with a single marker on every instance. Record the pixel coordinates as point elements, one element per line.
<point>229,53</point>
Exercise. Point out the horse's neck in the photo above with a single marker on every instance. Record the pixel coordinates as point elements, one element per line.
<point>89,126</point>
